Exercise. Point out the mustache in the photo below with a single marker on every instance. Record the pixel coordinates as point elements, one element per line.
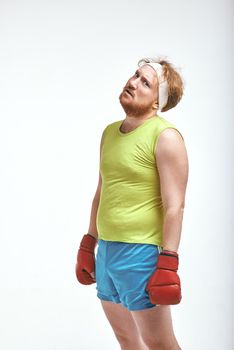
<point>129,90</point>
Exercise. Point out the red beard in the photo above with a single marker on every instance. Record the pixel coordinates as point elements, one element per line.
<point>133,108</point>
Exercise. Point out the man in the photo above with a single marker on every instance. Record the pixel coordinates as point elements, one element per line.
<point>137,213</point>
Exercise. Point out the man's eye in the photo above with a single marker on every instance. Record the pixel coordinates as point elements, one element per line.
<point>146,83</point>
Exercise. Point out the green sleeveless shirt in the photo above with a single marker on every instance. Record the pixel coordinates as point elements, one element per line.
<point>130,207</point>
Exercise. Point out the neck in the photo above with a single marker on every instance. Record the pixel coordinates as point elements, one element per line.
<point>135,120</point>
<point>132,122</point>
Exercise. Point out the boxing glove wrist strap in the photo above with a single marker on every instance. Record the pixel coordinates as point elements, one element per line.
<point>168,260</point>
<point>166,251</point>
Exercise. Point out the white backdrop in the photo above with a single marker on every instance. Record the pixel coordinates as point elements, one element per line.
<point>62,67</point>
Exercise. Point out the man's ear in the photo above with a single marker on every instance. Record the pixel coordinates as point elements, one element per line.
<point>155,105</point>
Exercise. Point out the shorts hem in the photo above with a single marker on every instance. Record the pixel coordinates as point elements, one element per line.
<point>108,298</point>
<point>140,307</point>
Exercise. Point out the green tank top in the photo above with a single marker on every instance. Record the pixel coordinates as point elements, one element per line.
<point>130,207</point>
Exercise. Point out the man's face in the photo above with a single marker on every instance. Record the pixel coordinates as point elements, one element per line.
<point>139,95</point>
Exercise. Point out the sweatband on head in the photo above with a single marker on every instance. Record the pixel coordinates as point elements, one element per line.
<point>162,82</point>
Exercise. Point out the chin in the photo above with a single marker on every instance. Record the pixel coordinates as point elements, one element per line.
<point>125,104</point>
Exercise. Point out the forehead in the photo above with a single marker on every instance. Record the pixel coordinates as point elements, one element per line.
<point>148,72</point>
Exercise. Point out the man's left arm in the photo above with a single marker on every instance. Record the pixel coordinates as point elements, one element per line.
<point>164,284</point>
<point>173,168</point>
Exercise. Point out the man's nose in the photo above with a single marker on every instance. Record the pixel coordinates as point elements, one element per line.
<point>133,84</point>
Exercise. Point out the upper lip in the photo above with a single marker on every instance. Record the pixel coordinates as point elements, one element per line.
<point>130,92</point>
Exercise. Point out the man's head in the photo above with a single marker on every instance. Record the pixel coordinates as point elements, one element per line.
<point>141,92</point>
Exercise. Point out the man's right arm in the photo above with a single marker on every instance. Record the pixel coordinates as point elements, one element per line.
<point>85,265</point>
<point>92,225</point>
<point>93,216</point>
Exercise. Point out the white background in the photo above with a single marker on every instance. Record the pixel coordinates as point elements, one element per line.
<point>62,67</point>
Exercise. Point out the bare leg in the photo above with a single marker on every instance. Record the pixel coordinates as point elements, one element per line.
<point>123,326</point>
<point>155,328</point>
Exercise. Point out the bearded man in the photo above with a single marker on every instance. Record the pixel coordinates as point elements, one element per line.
<point>137,212</point>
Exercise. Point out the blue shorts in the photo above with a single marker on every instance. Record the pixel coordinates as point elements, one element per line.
<point>122,272</point>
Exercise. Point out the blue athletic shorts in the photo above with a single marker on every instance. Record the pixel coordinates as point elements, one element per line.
<point>122,272</point>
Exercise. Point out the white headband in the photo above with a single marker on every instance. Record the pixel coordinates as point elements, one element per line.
<point>162,83</point>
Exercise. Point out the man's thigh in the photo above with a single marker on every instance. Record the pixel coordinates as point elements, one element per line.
<point>155,324</point>
<point>123,324</point>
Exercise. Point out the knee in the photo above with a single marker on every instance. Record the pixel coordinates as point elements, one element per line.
<point>123,339</point>
<point>154,344</point>
<point>128,342</point>
<point>160,344</point>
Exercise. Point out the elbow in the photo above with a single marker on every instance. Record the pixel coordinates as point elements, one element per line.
<point>175,209</point>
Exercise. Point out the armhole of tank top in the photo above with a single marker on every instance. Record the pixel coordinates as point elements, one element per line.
<point>167,127</point>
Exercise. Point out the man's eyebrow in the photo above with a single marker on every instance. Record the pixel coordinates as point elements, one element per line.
<point>148,80</point>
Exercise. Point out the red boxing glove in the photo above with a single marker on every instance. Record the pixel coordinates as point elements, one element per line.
<point>164,284</point>
<point>86,260</point>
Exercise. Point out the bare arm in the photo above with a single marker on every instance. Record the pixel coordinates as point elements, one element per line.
<point>92,225</point>
<point>95,203</point>
<point>172,162</point>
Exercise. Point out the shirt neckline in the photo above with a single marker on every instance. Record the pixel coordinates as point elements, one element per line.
<point>146,122</point>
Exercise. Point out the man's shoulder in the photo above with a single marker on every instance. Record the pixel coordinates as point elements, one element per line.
<point>164,122</point>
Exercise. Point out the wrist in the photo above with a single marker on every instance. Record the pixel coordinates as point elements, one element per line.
<point>170,250</point>
<point>93,235</point>
<point>169,253</point>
